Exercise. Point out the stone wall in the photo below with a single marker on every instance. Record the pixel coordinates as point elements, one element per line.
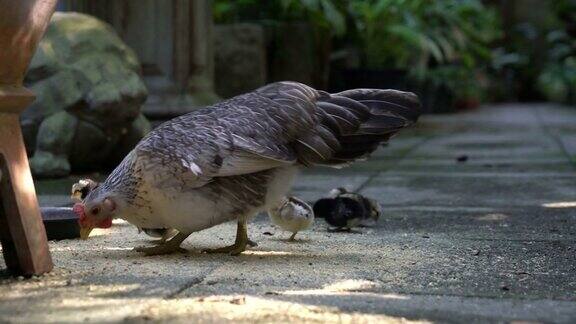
<point>240,58</point>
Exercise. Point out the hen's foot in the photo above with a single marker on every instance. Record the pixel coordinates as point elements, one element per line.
<point>168,247</point>
<point>239,245</point>
<point>251,243</point>
<point>234,249</point>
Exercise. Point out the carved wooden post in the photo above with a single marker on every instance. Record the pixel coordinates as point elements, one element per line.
<point>22,234</point>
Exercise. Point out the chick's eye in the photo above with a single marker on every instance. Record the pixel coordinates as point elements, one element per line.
<point>95,211</point>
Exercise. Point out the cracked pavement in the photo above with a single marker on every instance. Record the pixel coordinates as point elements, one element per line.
<point>489,238</point>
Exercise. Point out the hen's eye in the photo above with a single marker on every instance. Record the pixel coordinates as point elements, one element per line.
<point>95,211</point>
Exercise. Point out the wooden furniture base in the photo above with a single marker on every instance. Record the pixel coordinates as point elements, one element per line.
<point>22,234</point>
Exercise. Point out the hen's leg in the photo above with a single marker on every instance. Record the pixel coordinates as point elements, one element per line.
<point>170,246</point>
<point>169,233</point>
<point>239,245</point>
<point>292,237</point>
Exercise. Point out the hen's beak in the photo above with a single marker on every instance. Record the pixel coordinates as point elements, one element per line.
<point>85,232</point>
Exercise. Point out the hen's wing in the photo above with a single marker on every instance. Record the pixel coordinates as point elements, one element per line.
<point>277,125</point>
<point>245,134</point>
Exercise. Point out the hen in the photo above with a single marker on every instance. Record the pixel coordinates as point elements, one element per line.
<point>234,159</point>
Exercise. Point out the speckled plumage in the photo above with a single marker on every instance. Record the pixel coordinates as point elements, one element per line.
<point>292,215</point>
<point>238,157</point>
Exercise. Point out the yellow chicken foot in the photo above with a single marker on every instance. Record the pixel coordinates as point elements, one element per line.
<point>168,247</point>
<point>251,243</point>
<point>239,245</point>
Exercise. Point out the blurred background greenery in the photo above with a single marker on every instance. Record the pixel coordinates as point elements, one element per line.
<point>454,53</point>
<point>110,70</point>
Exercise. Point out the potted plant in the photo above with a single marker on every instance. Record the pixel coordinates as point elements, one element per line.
<point>422,45</point>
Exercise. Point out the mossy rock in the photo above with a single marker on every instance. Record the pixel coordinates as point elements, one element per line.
<point>89,94</point>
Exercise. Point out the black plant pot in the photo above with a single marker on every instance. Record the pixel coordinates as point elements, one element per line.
<point>60,222</point>
<point>369,78</point>
<point>434,98</point>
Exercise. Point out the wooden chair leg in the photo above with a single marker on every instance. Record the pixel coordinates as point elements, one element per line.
<point>22,232</point>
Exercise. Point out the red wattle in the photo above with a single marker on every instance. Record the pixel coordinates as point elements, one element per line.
<point>79,211</point>
<point>105,223</point>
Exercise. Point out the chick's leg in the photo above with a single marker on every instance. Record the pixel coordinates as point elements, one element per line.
<point>239,245</point>
<point>170,246</point>
<point>292,237</point>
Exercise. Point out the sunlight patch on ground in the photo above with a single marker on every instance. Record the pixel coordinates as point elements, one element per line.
<point>352,285</point>
<point>346,288</point>
<point>267,253</point>
<point>561,204</point>
<point>239,308</point>
<point>492,217</point>
<point>213,309</point>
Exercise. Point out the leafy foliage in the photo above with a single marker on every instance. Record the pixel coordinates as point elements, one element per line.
<point>538,61</point>
<point>557,80</point>
<point>325,14</point>
<point>418,34</point>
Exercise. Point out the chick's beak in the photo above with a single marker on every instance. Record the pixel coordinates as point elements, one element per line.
<point>76,196</point>
<point>85,232</point>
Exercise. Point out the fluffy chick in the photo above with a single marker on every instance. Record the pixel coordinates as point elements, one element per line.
<point>345,210</point>
<point>81,189</point>
<point>372,208</point>
<point>292,215</point>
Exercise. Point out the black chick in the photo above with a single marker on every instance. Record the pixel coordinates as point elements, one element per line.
<point>372,207</point>
<point>340,212</point>
<point>345,209</point>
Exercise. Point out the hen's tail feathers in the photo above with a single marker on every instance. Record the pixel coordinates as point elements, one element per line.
<point>354,123</point>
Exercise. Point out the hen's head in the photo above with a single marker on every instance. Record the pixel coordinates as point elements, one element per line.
<point>96,211</point>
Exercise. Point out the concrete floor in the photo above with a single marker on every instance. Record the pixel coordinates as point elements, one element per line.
<point>489,239</point>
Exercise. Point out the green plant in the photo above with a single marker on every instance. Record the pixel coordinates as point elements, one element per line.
<point>418,34</point>
<point>557,80</point>
<point>325,14</point>
<point>460,81</point>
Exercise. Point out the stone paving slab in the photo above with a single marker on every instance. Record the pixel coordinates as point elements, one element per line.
<point>407,262</point>
<point>560,123</point>
<point>464,189</point>
<point>492,239</point>
<point>519,224</point>
<point>488,145</point>
<point>557,166</point>
<point>444,309</point>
